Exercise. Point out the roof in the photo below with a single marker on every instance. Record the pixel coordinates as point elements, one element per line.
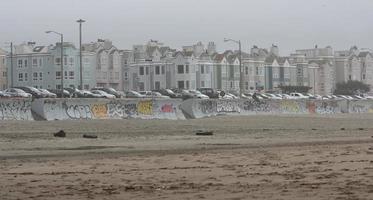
<point>2,52</point>
<point>363,54</point>
<point>319,62</point>
<point>219,57</point>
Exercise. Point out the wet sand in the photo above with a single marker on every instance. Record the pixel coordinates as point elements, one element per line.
<point>255,157</point>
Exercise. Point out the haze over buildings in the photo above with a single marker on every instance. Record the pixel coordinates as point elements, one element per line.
<point>291,24</point>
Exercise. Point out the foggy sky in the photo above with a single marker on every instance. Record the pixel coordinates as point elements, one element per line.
<point>291,24</point>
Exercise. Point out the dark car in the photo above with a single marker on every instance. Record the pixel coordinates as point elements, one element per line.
<point>109,91</point>
<point>75,93</point>
<point>211,93</point>
<point>58,93</point>
<point>169,92</point>
<point>31,90</point>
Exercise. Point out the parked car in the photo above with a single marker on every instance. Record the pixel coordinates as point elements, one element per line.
<point>273,96</point>
<point>169,92</point>
<point>298,95</point>
<point>211,93</point>
<point>4,95</point>
<point>47,94</point>
<point>31,90</point>
<point>153,94</point>
<point>111,91</point>
<point>197,94</point>
<point>103,94</point>
<point>58,93</point>
<point>15,92</point>
<point>75,93</point>
<point>89,94</point>
<point>133,94</point>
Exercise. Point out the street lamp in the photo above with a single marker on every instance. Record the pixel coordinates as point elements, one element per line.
<point>80,21</point>
<point>61,35</point>
<point>240,58</point>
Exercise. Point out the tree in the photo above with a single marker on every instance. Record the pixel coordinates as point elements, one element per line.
<point>286,89</point>
<point>351,88</point>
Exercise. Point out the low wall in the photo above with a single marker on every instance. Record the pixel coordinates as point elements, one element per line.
<point>15,109</point>
<point>197,108</point>
<point>63,109</point>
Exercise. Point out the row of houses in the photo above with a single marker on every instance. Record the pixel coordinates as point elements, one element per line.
<point>154,66</point>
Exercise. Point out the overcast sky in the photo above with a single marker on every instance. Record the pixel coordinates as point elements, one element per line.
<point>291,24</point>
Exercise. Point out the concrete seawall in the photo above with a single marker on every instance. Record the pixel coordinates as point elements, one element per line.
<point>63,109</point>
<point>70,109</point>
<point>15,109</point>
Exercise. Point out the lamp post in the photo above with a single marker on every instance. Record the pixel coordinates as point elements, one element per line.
<point>80,21</point>
<point>61,35</point>
<point>240,58</point>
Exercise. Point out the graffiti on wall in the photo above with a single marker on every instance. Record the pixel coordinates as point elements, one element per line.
<point>256,106</point>
<point>99,110</point>
<point>77,111</point>
<point>122,110</point>
<point>361,107</point>
<point>145,107</point>
<point>168,108</point>
<point>15,110</point>
<point>290,107</point>
<point>207,106</point>
<point>327,107</point>
<point>227,107</point>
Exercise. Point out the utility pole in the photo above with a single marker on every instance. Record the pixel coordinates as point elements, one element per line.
<point>80,21</point>
<point>11,65</point>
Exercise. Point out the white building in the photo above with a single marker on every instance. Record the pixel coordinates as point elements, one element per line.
<point>3,70</point>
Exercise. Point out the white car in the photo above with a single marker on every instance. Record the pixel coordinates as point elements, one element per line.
<point>103,94</point>
<point>273,96</point>
<point>198,94</point>
<point>15,92</point>
<point>286,96</point>
<point>298,95</point>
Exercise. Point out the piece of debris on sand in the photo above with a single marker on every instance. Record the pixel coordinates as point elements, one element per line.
<point>204,132</point>
<point>60,133</point>
<point>90,136</point>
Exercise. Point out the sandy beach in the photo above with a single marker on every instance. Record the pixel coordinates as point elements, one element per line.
<point>252,157</point>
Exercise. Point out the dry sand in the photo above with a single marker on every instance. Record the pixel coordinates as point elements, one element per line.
<point>256,157</point>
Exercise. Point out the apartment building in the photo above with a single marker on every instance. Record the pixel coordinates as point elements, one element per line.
<point>3,70</point>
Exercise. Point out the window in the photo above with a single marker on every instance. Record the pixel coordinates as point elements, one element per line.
<point>65,61</point>
<point>20,62</point>
<point>26,77</point>
<point>141,71</point>
<point>349,77</point>
<point>157,70</point>
<point>34,62</point>
<point>163,69</point>
<point>363,76</point>
<point>35,76</point>
<point>187,84</point>
<point>180,69</point>
<point>180,84</point>
<point>202,83</point>
<point>71,60</point>
<point>147,70</point>
<point>247,85</point>
<point>4,74</point>
<point>86,87</point>
<point>246,70</point>
<point>207,69</point>
<point>202,69</point>
<point>231,84</point>
<point>71,74</point>
<point>157,85</point>
<point>20,77</point>
<point>57,61</point>
<point>187,69</point>
<point>65,75</point>
<point>58,75</point>
<point>126,76</point>
<point>58,86</point>
<point>257,70</point>
<point>25,62</point>
<point>141,86</point>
